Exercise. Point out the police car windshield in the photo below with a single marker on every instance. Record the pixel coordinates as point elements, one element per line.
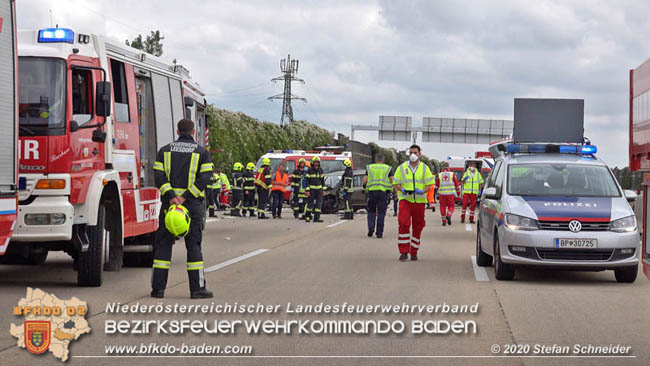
<point>551,179</point>
<point>42,94</point>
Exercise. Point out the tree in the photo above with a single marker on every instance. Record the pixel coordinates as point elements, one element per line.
<point>151,45</point>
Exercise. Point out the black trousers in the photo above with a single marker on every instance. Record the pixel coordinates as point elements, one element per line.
<point>262,199</point>
<point>314,205</point>
<point>277,197</point>
<point>236,200</point>
<point>377,205</point>
<point>164,243</point>
<point>347,200</point>
<point>249,200</point>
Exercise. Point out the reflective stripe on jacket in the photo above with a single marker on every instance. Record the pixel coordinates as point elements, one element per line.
<point>472,181</point>
<point>446,185</point>
<point>378,177</point>
<point>410,181</point>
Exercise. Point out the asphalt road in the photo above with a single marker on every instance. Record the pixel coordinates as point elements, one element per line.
<point>275,262</point>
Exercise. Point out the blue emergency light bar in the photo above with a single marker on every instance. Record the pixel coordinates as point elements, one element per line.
<point>56,35</point>
<point>551,148</point>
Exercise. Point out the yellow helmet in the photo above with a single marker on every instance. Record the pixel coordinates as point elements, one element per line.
<point>347,163</point>
<point>238,166</point>
<point>315,159</point>
<point>177,220</point>
<point>302,160</point>
<point>250,166</point>
<point>266,161</point>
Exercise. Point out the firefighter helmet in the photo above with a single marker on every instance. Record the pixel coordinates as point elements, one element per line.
<point>250,166</point>
<point>347,163</point>
<point>302,160</point>
<point>266,161</point>
<point>177,220</point>
<point>315,159</point>
<point>238,166</point>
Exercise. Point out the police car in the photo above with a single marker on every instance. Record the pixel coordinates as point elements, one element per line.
<point>556,206</point>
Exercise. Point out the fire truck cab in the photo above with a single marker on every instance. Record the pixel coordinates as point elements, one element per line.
<point>92,115</point>
<point>8,123</point>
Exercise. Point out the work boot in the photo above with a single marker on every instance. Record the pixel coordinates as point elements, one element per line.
<point>379,236</point>
<point>403,257</point>
<point>275,217</point>
<point>462,220</point>
<point>296,214</point>
<point>370,232</point>
<point>159,294</point>
<point>471,220</point>
<point>449,220</point>
<point>444,223</point>
<point>414,257</point>
<point>201,294</point>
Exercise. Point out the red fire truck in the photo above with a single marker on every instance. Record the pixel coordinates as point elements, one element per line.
<point>640,144</point>
<point>8,123</point>
<point>92,115</point>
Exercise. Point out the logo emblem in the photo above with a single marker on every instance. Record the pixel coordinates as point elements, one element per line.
<point>575,226</point>
<point>37,335</point>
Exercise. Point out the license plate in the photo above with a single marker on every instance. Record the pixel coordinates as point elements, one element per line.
<point>576,243</point>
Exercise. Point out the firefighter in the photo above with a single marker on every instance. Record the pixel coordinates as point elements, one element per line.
<point>348,189</point>
<point>447,187</point>
<point>315,180</point>
<point>296,188</point>
<point>237,189</point>
<point>182,171</point>
<point>225,187</point>
<point>472,183</point>
<point>249,190</point>
<point>263,183</point>
<point>412,179</point>
<point>211,195</point>
<point>377,182</point>
<point>216,189</point>
<point>278,189</point>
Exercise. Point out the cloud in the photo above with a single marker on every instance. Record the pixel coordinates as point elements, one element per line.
<point>364,58</point>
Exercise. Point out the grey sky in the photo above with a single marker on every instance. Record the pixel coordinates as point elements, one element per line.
<point>364,58</point>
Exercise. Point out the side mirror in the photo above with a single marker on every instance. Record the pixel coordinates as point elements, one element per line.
<point>490,193</point>
<point>99,135</point>
<point>103,99</point>
<point>74,126</point>
<point>630,196</point>
<point>188,101</point>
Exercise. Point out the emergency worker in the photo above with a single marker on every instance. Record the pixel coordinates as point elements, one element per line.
<point>278,189</point>
<point>412,180</point>
<point>237,189</point>
<point>472,184</point>
<point>447,187</point>
<point>296,188</point>
<point>182,171</point>
<point>263,183</point>
<point>348,189</point>
<point>315,178</point>
<point>249,190</point>
<point>377,183</point>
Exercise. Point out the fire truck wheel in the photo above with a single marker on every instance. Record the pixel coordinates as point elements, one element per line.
<point>91,262</point>
<point>114,242</point>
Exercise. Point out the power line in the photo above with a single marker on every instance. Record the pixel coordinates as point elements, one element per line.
<point>289,68</point>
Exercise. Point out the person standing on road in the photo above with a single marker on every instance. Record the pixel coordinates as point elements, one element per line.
<point>211,195</point>
<point>378,185</point>
<point>315,183</point>
<point>472,185</point>
<point>447,187</point>
<point>348,189</point>
<point>263,183</point>
<point>216,190</point>
<point>278,189</point>
<point>296,178</point>
<point>412,180</point>
<point>249,190</point>
<point>182,171</point>
<point>237,189</point>
<point>395,201</point>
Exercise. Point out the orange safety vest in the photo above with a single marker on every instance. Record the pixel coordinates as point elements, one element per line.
<point>430,196</point>
<point>280,182</point>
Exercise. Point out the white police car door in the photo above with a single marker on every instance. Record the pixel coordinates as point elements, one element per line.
<point>489,209</point>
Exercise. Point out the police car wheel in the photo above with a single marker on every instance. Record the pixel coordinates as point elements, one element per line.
<point>91,262</point>
<point>626,274</point>
<point>482,259</point>
<point>502,271</point>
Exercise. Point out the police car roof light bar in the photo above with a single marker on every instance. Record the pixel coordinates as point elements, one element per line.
<point>551,148</point>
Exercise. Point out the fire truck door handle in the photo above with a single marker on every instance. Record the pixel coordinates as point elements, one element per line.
<point>130,177</point>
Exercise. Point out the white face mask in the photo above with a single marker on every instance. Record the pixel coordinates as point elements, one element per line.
<point>472,168</point>
<point>413,158</point>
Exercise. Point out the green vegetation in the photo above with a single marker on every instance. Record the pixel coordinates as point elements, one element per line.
<point>393,157</point>
<point>152,44</point>
<point>239,137</point>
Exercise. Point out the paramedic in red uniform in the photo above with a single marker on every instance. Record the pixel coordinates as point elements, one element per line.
<point>412,180</point>
<point>447,187</point>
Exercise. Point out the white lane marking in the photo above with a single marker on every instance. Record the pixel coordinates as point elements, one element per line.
<point>235,260</point>
<point>212,219</point>
<point>468,227</point>
<point>336,223</point>
<point>479,272</point>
